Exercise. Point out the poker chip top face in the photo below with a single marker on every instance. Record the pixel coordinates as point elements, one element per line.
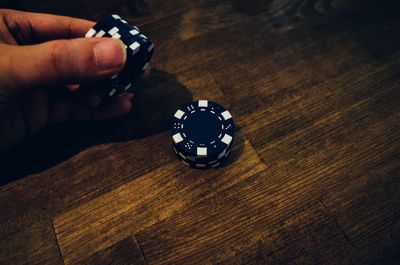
<point>202,129</point>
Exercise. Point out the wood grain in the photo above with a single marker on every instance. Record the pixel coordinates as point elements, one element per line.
<point>33,244</point>
<point>314,177</point>
<point>255,229</point>
<point>145,201</point>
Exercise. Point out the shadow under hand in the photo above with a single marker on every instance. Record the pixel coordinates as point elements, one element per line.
<point>154,104</point>
<point>251,7</point>
<point>375,24</point>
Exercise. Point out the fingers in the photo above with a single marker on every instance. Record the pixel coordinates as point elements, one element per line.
<point>67,111</point>
<point>95,93</point>
<point>45,27</point>
<point>12,129</point>
<point>62,62</point>
<point>95,97</point>
<point>34,110</point>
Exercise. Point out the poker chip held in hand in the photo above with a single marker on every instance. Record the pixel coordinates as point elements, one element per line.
<point>202,134</point>
<point>139,50</point>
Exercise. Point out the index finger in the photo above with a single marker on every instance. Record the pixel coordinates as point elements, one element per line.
<point>44,27</point>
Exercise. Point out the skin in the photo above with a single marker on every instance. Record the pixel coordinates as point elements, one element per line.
<point>50,74</point>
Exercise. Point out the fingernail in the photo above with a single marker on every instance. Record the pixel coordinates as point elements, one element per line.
<point>109,54</point>
<point>73,87</point>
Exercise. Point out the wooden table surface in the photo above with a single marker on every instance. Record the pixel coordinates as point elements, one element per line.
<point>314,177</point>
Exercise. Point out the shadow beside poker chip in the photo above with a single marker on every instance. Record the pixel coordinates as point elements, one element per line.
<point>155,101</point>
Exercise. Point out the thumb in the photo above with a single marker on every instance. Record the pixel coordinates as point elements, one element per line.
<point>63,62</point>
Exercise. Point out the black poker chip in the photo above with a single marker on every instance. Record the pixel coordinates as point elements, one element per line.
<point>205,159</point>
<point>138,47</point>
<point>100,25</point>
<point>202,133</point>
<point>200,165</point>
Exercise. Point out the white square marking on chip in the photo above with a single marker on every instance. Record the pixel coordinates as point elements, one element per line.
<point>203,103</point>
<point>226,115</point>
<point>100,34</point>
<point>143,36</point>
<point>128,86</point>
<point>179,114</point>
<point>124,21</point>
<point>227,139</point>
<point>177,138</point>
<point>135,47</point>
<point>146,66</point>
<point>201,151</point>
<point>112,92</point>
<point>200,165</point>
<point>114,76</point>
<point>116,36</point>
<point>113,31</point>
<point>150,48</point>
<point>90,33</point>
<point>116,16</point>
<point>134,32</point>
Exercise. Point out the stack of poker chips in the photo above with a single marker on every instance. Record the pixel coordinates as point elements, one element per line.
<point>202,134</point>
<point>138,47</point>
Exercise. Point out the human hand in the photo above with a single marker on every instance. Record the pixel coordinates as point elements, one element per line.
<point>43,58</point>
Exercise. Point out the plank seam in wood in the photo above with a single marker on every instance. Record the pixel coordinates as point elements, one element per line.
<point>334,219</point>
<point>56,239</point>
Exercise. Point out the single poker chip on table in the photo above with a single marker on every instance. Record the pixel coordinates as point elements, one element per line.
<point>202,163</point>
<point>204,159</point>
<point>139,51</point>
<point>198,164</point>
<point>202,133</point>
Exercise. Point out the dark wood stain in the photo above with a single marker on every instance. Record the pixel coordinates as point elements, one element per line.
<point>314,177</point>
